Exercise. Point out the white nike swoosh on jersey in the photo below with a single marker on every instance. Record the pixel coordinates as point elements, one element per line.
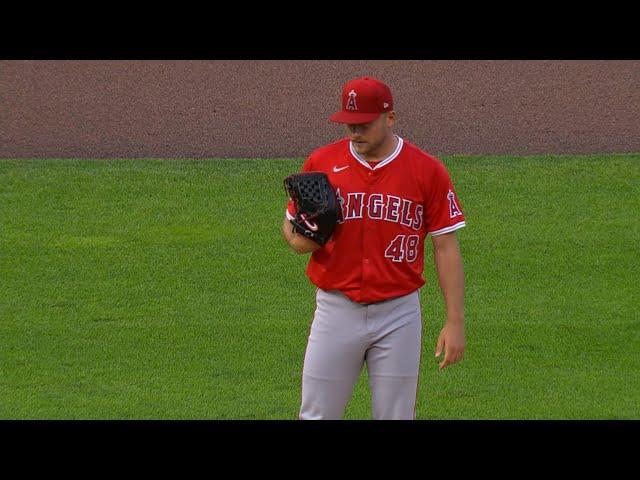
<point>336,169</point>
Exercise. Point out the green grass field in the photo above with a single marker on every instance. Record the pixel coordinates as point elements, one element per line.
<point>158,289</point>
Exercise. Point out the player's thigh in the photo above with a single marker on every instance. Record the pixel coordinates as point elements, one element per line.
<point>393,365</point>
<point>397,351</point>
<point>337,339</point>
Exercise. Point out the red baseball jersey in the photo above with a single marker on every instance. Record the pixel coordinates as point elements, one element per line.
<point>377,249</point>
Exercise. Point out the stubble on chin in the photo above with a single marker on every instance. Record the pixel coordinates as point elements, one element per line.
<point>361,149</point>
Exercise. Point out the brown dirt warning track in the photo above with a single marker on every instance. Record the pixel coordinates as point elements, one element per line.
<point>247,108</point>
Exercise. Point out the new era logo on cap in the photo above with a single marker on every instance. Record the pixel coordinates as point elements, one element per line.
<point>363,100</point>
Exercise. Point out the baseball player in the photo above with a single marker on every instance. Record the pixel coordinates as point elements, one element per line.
<point>392,195</point>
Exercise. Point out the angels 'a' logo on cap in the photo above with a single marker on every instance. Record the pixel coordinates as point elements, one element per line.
<point>351,103</point>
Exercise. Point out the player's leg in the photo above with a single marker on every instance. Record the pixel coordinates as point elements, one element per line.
<point>334,356</point>
<point>393,361</point>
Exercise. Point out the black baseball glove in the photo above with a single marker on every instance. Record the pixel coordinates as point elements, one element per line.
<point>317,207</point>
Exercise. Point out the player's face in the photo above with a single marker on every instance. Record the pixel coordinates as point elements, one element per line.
<point>371,139</point>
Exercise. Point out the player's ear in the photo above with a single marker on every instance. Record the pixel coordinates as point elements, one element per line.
<point>391,118</point>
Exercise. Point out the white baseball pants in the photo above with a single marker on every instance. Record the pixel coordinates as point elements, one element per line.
<point>343,336</point>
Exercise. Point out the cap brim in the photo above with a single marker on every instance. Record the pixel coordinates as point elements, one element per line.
<point>353,117</point>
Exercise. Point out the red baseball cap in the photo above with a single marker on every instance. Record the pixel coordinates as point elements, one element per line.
<point>363,100</point>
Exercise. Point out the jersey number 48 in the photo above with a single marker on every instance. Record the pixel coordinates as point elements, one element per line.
<point>403,247</point>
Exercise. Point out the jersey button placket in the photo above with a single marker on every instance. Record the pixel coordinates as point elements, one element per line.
<point>365,252</point>
<point>365,272</point>
<point>368,230</point>
<point>371,177</point>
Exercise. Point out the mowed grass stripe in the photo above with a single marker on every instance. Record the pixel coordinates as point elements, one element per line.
<point>162,289</point>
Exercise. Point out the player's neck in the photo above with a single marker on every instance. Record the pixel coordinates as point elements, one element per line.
<point>383,151</point>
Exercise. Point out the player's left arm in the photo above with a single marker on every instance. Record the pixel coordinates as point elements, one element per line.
<point>298,243</point>
<point>448,262</point>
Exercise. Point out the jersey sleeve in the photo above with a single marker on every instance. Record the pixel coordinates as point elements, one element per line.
<point>443,212</point>
<point>290,211</point>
